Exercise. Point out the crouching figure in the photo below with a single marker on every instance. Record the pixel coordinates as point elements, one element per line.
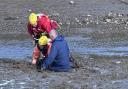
<point>57,59</point>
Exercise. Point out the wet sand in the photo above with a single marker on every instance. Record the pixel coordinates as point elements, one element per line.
<point>89,26</point>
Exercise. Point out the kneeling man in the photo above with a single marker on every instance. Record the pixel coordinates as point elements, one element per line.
<point>58,57</point>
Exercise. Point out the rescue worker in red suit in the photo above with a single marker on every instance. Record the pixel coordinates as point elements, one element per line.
<point>38,25</point>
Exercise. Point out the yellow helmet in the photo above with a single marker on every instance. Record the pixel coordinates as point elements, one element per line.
<point>43,40</point>
<point>33,19</point>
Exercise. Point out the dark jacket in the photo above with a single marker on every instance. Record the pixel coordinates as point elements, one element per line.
<point>58,58</point>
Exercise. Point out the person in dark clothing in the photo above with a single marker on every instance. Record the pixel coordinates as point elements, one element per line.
<point>58,58</point>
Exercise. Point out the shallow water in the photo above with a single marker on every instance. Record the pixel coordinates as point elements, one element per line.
<point>89,47</point>
<point>16,49</point>
<point>20,49</point>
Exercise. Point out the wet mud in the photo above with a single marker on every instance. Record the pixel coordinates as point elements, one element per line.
<point>96,31</point>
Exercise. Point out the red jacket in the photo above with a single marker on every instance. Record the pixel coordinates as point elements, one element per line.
<point>44,24</point>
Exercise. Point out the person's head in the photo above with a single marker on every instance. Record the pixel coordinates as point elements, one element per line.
<point>43,40</point>
<point>53,34</point>
<point>33,19</point>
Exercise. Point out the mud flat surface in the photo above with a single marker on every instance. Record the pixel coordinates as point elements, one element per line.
<point>96,73</point>
<point>96,31</point>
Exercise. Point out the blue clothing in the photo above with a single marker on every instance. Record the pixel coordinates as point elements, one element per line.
<point>58,58</point>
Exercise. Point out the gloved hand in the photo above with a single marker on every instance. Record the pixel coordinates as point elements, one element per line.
<point>33,61</point>
<point>35,55</point>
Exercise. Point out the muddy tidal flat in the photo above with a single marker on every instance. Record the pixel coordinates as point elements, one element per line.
<point>96,32</point>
